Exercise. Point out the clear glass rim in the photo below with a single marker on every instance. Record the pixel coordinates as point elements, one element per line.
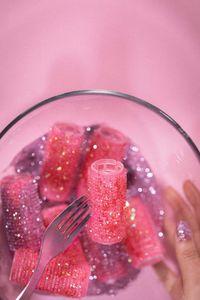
<point>139,101</point>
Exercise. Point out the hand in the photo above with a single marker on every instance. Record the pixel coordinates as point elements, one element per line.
<point>183,234</point>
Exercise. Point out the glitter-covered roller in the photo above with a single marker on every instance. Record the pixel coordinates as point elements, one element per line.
<point>21,211</point>
<point>50,213</point>
<point>143,243</point>
<point>67,274</point>
<point>62,156</point>
<point>107,193</point>
<point>30,158</point>
<point>105,142</point>
<point>141,181</point>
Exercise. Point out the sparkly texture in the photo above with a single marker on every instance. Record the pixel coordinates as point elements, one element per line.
<point>113,287</point>
<point>21,211</point>
<point>79,175</point>
<point>184,232</point>
<point>67,274</point>
<point>30,158</point>
<point>142,241</point>
<point>109,262</point>
<point>107,192</point>
<point>62,155</point>
<point>104,142</point>
<point>111,269</point>
<point>107,142</point>
<point>160,234</point>
<point>50,213</point>
<point>141,180</point>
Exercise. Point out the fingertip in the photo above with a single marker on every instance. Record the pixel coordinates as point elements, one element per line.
<point>175,202</point>
<point>171,197</point>
<point>190,184</point>
<point>187,182</point>
<point>169,191</point>
<point>191,190</point>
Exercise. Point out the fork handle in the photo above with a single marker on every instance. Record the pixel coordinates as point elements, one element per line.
<point>30,287</point>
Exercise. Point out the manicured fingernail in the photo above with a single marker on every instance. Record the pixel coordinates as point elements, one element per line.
<point>184,232</point>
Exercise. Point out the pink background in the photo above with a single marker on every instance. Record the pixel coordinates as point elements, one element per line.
<point>146,48</point>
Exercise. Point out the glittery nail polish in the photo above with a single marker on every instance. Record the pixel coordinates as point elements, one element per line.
<point>21,211</point>
<point>107,194</point>
<point>104,142</point>
<point>67,274</point>
<point>184,232</point>
<point>61,159</point>
<point>142,242</point>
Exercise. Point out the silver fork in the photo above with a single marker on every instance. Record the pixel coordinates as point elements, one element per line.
<point>57,238</point>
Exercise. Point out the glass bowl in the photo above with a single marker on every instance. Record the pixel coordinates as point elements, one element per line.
<point>170,152</point>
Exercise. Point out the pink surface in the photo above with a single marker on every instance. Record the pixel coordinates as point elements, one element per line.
<point>146,48</point>
<point>149,49</point>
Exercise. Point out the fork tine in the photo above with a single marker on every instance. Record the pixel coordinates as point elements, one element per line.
<point>73,205</point>
<point>82,198</point>
<point>74,233</point>
<point>76,220</point>
<point>81,205</point>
